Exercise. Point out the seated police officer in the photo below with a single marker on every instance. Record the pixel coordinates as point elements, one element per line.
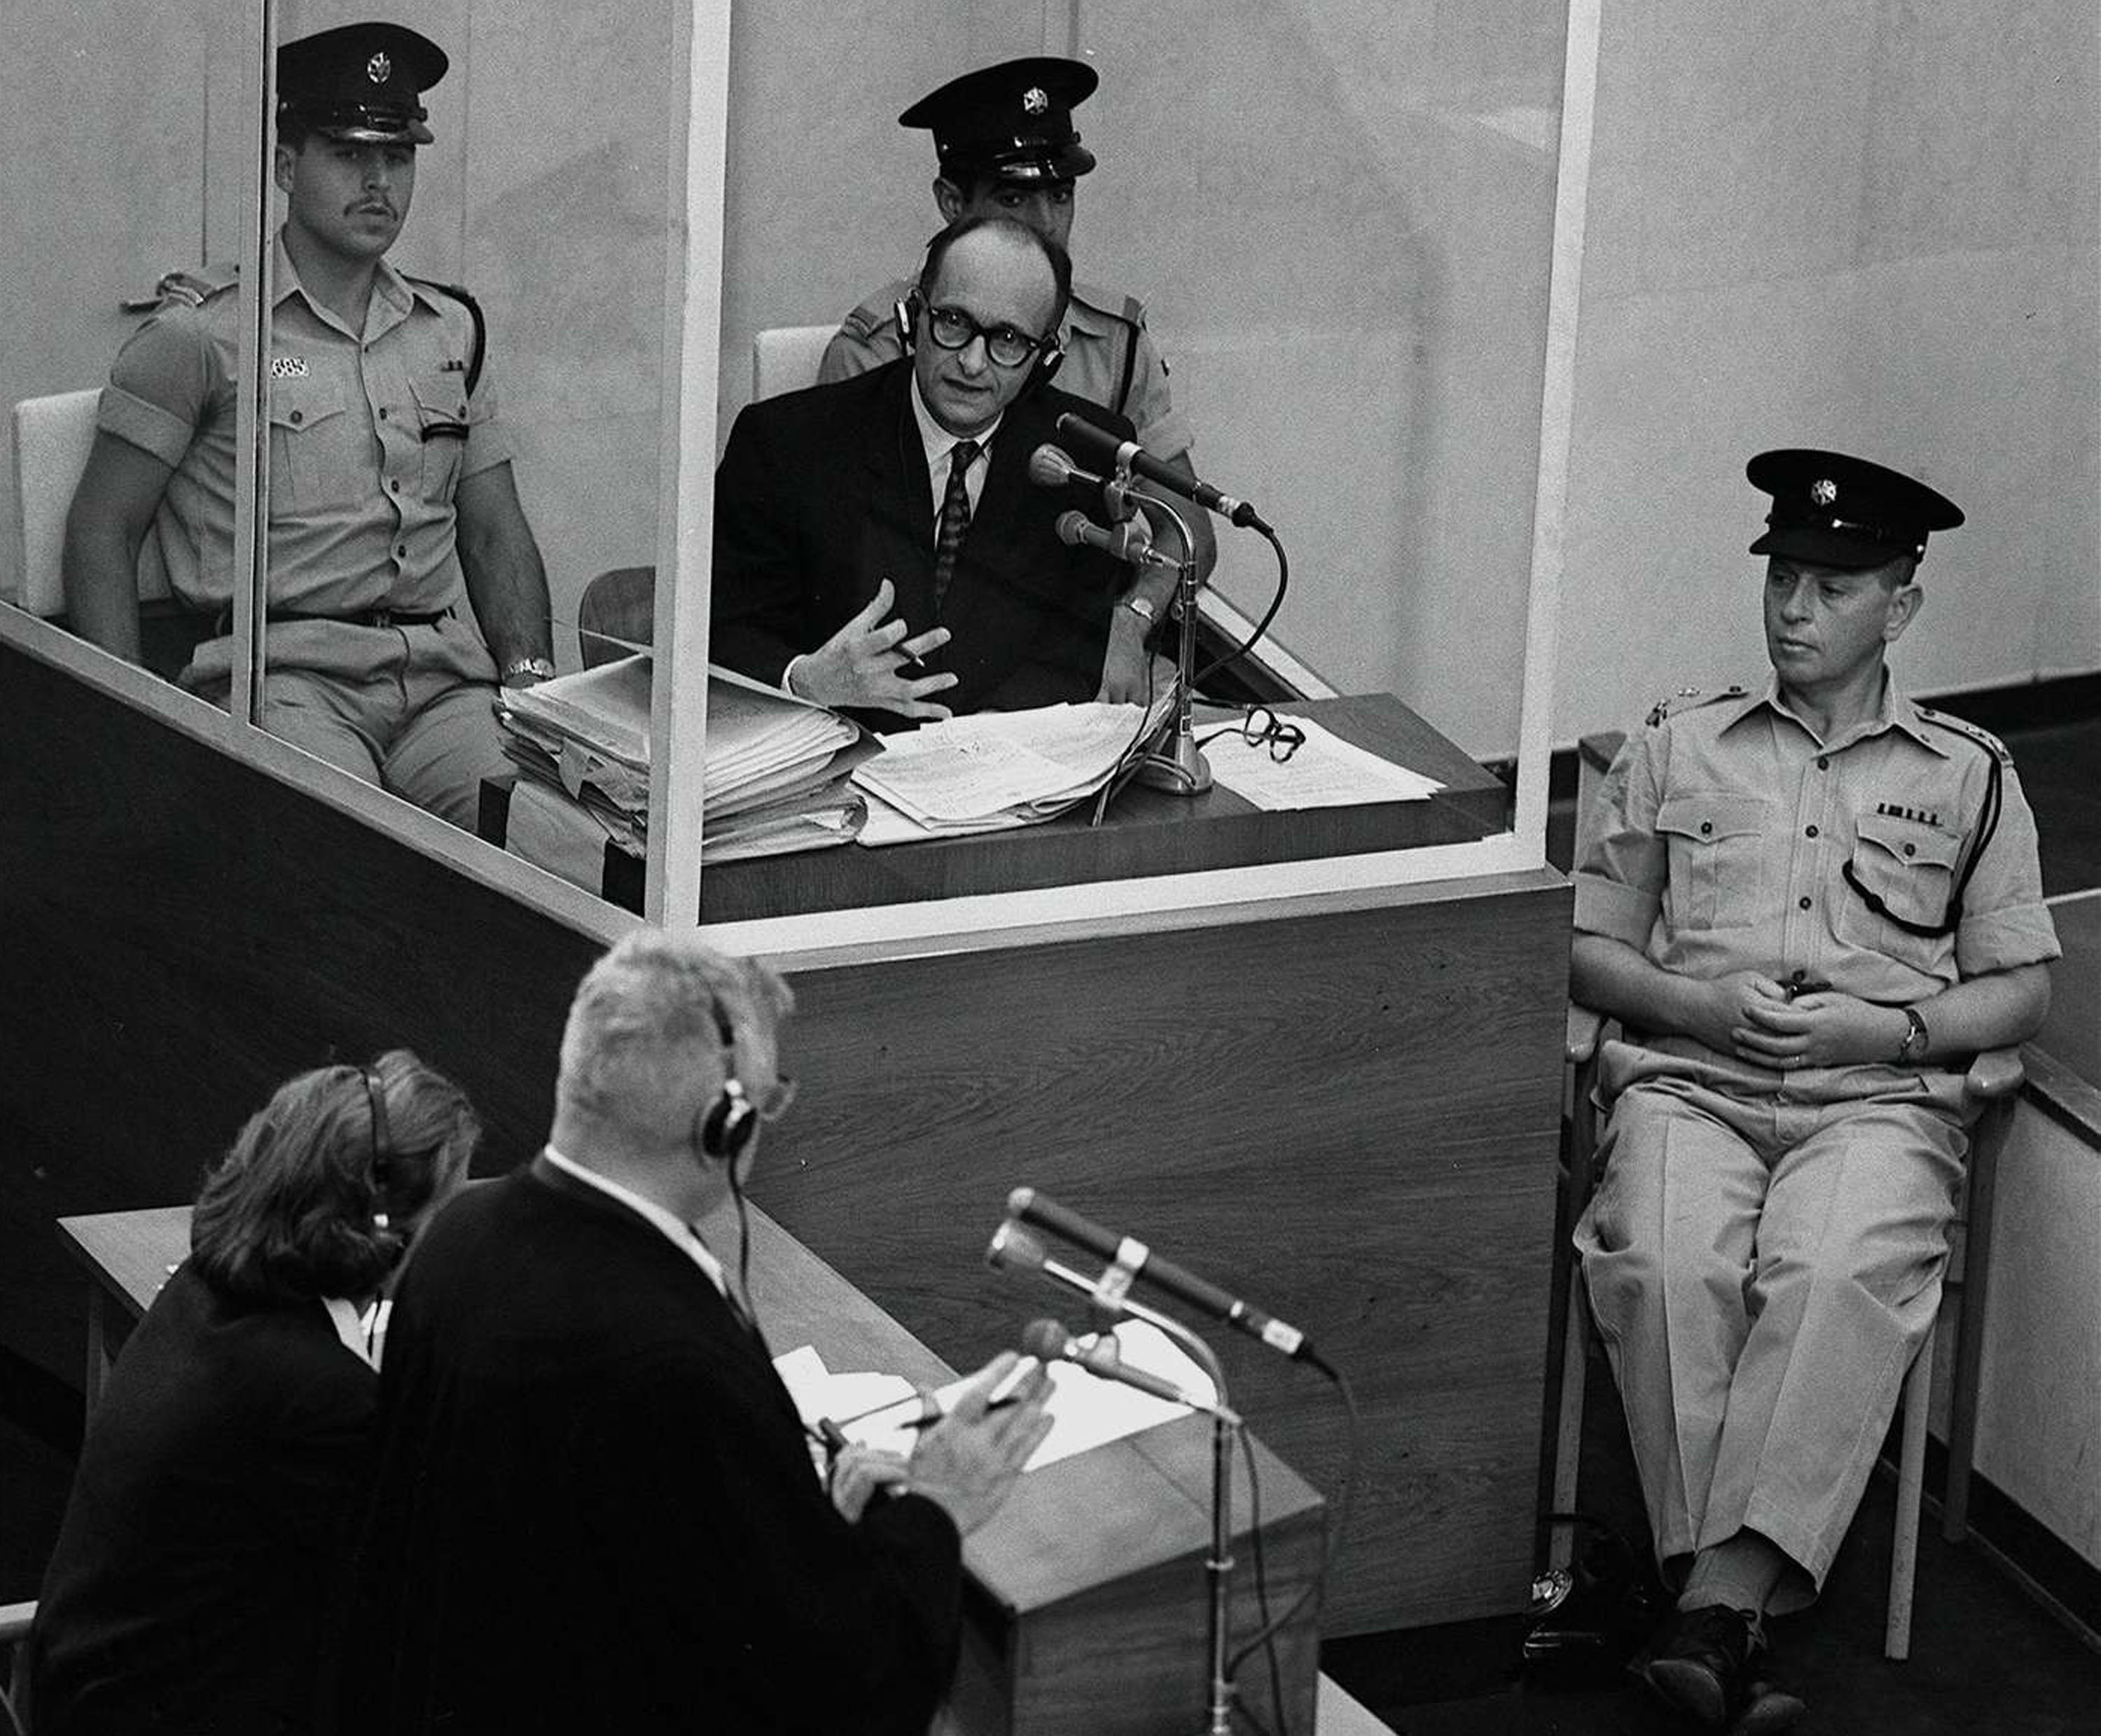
<point>1005,147</point>
<point>1809,905</point>
<point>391,501</point>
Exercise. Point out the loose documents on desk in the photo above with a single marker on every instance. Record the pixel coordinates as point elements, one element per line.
<point>1324,771</point>
<point>775,770</point>
<point>885,1411</point>
<point>994,770</point>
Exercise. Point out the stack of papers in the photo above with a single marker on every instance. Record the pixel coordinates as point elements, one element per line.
<point>776,772</point>
<point>883,1410</point>
<point>998,769</point>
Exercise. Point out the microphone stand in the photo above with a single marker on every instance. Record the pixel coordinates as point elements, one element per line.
<point>1225,1430</point>
<point>1183,769</point>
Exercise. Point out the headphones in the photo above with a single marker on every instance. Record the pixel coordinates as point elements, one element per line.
<point>904,315</point>
<point>732,1117</point>
<point>731,1120</point>
<point>383,1145</point>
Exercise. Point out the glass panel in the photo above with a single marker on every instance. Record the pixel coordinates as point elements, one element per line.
<point>1339,218</point>
<point>122,131</point>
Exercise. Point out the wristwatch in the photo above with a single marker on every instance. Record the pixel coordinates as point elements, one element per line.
<point>1916,1037</point>
<point>538,668</point>
<point>1143,608</point>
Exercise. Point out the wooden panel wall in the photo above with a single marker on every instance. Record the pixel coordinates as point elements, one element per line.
<point>1351,1115</point>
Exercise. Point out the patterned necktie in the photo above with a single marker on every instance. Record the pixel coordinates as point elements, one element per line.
<point>955,517</point>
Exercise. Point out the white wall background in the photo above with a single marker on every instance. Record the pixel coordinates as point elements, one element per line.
<point>1871,226</point>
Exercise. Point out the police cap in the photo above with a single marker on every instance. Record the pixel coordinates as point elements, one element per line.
<point>359,83</point>
<point>1012,121</point>
<point>1841,511</point>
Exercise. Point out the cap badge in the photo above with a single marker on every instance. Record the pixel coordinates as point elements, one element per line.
<point>1034,101</point>
<point>380,68</point>
<point>1824,491</point>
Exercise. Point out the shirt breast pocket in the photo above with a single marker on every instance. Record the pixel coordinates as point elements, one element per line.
<point>1901,883</point>
<point>441,423</point>
<point>310,432</point>
<point>1716,870</point>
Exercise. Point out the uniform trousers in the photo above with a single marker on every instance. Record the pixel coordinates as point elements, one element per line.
<point>1761,1265</point>
<point>410,707</point>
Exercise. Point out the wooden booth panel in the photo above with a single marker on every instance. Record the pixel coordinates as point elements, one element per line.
<point>1351,1116</point>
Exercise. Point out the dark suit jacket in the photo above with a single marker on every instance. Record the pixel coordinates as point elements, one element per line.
<point>210,1526</point>
<point>822,494</point>
<point>594,1509</point>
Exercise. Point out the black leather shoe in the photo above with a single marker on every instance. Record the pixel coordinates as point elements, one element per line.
<point>1704,1666</point>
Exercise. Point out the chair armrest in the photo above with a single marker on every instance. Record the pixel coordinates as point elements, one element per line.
<point>15,1620</point>
<point>1581,1041</point>
<point>1994,1073</point>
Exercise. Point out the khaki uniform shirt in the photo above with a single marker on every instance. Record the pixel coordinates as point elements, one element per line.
<point>1726,827</point>
<point>369,436</point>
<point>1110,359</point>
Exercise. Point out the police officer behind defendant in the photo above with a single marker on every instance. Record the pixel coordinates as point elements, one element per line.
<point>391,500</point>
<point>1809,905</point>
<point>1005,147</point>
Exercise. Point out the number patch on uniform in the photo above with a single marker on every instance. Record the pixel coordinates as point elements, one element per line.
<point>288,367</point>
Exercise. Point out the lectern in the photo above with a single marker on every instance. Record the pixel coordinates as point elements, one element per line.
<point>1088,1600</point>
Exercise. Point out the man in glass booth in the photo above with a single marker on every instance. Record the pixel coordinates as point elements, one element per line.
<point>1005,146</point>
<point>404,582</point>
<point>880,545</point>
<point>1809,903</point>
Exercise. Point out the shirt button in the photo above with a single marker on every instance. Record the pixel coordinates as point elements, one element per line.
<point>1800,974</point>
<point>1910,849</point>
<point>297,416</point>
<point>401,553</point>
<point>382,412</point>
<point>1803,902</point>
<point>1809,832</point>
<point>394,484</point>
<point>1706,826</point>
<point>1823,762</point>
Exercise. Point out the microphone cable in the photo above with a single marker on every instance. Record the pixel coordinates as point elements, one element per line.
<point>1269,614</point>
<point>1264,1638</point>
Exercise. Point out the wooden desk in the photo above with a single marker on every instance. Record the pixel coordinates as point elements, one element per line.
<point>1086,1604</point>
<point>128,1256</point>
<point>1145,833</point>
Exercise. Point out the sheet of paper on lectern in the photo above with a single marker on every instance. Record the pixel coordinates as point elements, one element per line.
<point>1325,771</point>
<point>1085,1410</point>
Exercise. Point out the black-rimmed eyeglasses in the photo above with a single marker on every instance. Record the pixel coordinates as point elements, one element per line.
<point>952,330</point>
<point>1262,727</point>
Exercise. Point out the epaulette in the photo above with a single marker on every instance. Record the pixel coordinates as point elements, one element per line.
<point>1692,699</point>
<point>474,313</point>
<point>1984,738</point>
<point>1125,309</point>
<point>187,288</point>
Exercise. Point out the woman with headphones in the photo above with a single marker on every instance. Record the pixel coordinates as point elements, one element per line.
<point>213,1511</point>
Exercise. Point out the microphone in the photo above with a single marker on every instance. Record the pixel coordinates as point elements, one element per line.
<point>1040,1209</point>
<point>1048,1342</point>
<point>1131,541</point>
<point>1051,467</point>
<point>1128,455</point>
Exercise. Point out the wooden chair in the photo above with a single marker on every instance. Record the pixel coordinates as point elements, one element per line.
<point>785,358</point>
<point>52,437</point>
<point>16,1620</point>
<point>1994,1079</point>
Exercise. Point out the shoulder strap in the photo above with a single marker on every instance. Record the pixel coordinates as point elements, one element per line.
<point>1691,699</point>
<point>474,313</point>
<point>187,288</point>
<point>1996,759</point>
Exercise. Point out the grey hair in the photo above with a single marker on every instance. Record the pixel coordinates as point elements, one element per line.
<point>653,1027</point>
